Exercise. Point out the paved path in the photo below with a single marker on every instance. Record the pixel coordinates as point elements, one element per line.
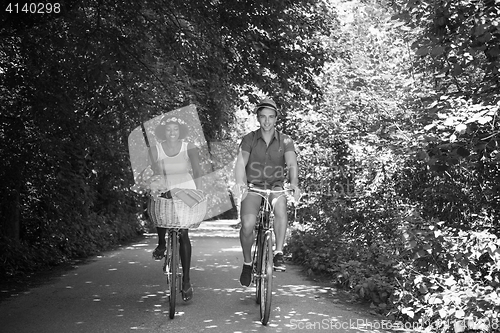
<point>123,291</point>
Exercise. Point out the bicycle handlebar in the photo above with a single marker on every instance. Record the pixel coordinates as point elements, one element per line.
<point>256,190</point>
<point>267,191</point>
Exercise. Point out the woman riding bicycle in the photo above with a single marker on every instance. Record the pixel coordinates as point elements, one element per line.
<point>173,159</point>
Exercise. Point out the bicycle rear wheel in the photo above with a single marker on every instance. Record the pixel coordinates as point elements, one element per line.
<point>172,265</point>
<point>266,279</point>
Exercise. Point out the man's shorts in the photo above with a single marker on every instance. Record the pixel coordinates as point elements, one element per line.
<point>251,203</point>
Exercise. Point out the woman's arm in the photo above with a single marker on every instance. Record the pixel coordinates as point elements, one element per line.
<point>153,154</point>
<point>194,158</point>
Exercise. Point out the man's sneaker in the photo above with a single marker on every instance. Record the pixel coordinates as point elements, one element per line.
<point>246,275</point>
<point>279,263</point>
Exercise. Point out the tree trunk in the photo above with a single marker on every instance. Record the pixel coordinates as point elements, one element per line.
<point>10,221</point>
<point>10,207</point>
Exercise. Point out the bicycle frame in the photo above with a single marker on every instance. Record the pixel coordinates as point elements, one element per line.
<point>263,251</point>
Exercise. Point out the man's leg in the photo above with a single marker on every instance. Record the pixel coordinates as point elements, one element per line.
<point>280,226</point>
<point>249,209</point>
<point>247,236</point>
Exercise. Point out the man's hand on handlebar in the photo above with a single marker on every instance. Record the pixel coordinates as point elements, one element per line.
<point>240,190</point>
<point>296,192</point>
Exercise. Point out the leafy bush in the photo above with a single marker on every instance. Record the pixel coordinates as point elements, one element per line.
<point>356,247</point>
<point>413,245</point>
<point>49,244</point>
<point>434,276</point>
<point>448,279</point>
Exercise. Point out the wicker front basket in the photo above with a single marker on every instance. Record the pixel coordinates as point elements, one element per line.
<point>174,213</point>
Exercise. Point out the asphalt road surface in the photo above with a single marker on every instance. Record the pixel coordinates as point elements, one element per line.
<point>124,291</point>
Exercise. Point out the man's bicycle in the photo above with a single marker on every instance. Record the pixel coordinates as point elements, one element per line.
<point>263,250</point>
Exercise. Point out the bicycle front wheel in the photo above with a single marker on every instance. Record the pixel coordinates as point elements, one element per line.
<point>266,280</point>
<point>172,260</point>
<point>257,265</point>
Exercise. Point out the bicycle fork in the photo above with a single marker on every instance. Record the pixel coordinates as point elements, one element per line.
<point>167,269</point>
<point>258,256</point>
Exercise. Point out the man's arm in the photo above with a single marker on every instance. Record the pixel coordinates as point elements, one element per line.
<point>241,163</point>
<point>240,167</point>
<point>293,172</point>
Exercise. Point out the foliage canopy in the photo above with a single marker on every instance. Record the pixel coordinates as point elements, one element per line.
<point>74,84</point>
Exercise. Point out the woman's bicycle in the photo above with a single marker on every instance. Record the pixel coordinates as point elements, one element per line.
<point>263,250</point>
<point>172,268</point>
<point>181,216</point>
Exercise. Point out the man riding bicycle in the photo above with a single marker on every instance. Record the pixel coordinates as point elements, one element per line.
<point>265,158</point>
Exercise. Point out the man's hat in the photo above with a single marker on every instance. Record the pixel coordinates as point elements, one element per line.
<point>267,103</point>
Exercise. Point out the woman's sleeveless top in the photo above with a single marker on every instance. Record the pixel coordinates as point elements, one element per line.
<point>176,168</point>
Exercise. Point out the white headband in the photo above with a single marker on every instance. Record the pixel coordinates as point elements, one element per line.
<point>172,120</point>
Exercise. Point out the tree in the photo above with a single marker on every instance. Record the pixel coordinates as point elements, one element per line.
<point>456,44</point>
<point>75,83</point>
